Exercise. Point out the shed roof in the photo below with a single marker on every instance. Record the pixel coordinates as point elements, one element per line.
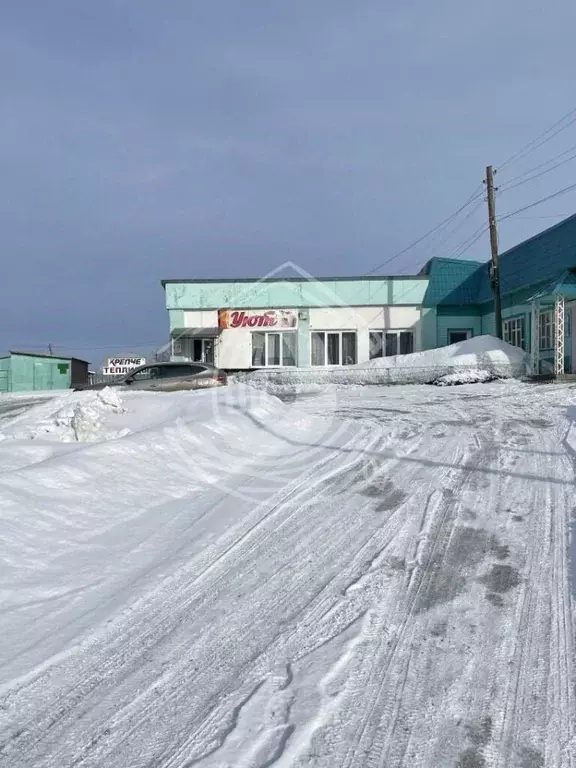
<point>43,354</point>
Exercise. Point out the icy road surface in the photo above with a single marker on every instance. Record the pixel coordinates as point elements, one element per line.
<point>369,578</point>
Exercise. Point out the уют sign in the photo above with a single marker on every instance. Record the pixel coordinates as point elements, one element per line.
<point>270,318</point>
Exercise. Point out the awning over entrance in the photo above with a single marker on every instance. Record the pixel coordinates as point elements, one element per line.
<point>555,293</point>
<point>560,286</point>
<point>195,333</point>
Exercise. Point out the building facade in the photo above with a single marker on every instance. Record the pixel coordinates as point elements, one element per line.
<point>302,321</point>
<point>296,321</point>
<point>29,371</point>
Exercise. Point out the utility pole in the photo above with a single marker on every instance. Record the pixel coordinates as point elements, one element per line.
<point>495,264</point>
<point>49,349</point>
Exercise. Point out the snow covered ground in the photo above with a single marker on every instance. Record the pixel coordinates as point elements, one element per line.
<point>363,577</point>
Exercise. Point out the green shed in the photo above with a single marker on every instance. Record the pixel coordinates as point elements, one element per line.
<point>31,371</point>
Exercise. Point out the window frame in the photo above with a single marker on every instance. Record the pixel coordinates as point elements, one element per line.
<point>545,326</point>
<point>133,374</point>
<point>339,333</point>
<point>275,332</point>
<point>166,370</point>
<point>468,331</point>
<point>389,332</point>
<point>509,333</point>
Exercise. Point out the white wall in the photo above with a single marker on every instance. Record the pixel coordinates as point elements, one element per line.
<point>234,348</point>
<point>351,318</point>
<point>207,318</point>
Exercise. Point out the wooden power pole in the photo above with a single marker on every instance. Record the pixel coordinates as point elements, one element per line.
<point>495,265</point>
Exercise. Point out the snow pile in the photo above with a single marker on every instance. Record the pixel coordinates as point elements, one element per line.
<point>68,418</point>
<point>469,376</point>
<point>484,355</point>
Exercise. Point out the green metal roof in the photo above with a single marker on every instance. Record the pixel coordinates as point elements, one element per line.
<point>44,354</point>
<point>452,281</point>
<point>545,256</point>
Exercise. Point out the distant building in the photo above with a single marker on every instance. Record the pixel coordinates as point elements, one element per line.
<point>31,371</point>
<point>278,322</point>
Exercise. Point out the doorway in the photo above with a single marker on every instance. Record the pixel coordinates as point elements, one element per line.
<point>203,351</point>
<point>457,335</point>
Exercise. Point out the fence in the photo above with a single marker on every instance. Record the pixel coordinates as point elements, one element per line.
<point>377,376</point>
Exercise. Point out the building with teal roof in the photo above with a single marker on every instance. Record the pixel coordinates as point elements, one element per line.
<point>300,320</point>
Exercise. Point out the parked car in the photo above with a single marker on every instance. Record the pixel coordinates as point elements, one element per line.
<point>166,377</point>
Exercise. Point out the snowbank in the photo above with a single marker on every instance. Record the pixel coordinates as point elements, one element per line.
<point>68,418</point>
<point>486,355</point>
<point>464,377</point>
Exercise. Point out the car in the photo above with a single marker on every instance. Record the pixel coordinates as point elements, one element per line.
<point>166,377</point>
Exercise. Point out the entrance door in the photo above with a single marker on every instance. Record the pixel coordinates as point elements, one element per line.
<point>461,334</point>
<point>203,351</point>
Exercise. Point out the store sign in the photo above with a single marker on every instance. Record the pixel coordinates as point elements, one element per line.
<point>270,318</point>
<point>118,366</point>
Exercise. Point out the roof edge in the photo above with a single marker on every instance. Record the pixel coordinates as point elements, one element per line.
<point>341,279</point>
<point>43,354</point>
<point>538,235</point>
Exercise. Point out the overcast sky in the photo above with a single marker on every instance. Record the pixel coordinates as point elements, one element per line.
<point>143,140</point>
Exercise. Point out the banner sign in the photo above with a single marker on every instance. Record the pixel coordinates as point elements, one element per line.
<point>117,366</point>
<point>278,319</point>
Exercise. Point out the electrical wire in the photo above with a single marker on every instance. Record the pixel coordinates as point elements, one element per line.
<point>541,139</point>
<point>459,226</point>
<point>537,202</point>
<point>510,186</point>
<point>470,242</point>
<point>541,165</point>
<point>438,227</point>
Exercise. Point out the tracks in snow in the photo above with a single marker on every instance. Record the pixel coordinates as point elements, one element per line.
<point>374,612</point>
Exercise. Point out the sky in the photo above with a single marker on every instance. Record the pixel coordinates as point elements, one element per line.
<point>144,140</point>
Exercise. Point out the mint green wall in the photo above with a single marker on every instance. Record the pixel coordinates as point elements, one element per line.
<point>525,311</point>
<point>457,322</point>
<point>428,329</point>
<point>4,374</point>
<point>304,293</point>
<point>176,319</point>
<point>28,373</point>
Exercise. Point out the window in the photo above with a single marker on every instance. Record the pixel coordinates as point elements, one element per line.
<point>546,330</point>
<point>458,335</point>
<point>273,349</point>
<point>333,347</point>
<point>150,372</point>
<point>514,332</point>
<point>200,350</point>
<point>390,343</point>
<point>177,371</point>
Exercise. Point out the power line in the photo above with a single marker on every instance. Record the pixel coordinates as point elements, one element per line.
<point>467,244</point>
<point>460,225</point>
<point>42,345</point>
<point>443,223</point>
<point>554,216</point>
<point>509,186</point>
<point>538,202</point>
<point>541,139</point>
<point>541,165</point>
